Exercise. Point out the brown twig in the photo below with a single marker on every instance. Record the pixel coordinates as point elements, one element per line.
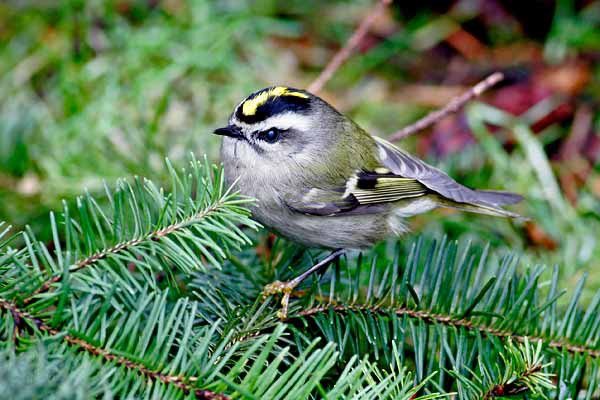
<point>582,124</point>
<point>454,322</point>
<point>345,52</point>
<point>453,106</point>
<point>181,382</point>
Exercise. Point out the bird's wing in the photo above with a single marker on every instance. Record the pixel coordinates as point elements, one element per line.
<point>400,176</point>
<point>405,165</point>
<point>365,192</point>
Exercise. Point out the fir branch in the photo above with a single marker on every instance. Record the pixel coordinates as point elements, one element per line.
<point>178,381</point>
<point>518,370</point>
<point>513,388</point>
<point>447,320</point>
<point>449,304</point>
<point>164,336</point>
<point>124,246</point>
<point>490,298</point>
<point>197,223</point>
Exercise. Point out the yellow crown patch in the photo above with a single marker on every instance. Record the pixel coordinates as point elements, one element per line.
<point>250,106</point>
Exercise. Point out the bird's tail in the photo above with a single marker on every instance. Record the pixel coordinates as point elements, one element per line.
<point>498,198</point>
<point>494,209</point>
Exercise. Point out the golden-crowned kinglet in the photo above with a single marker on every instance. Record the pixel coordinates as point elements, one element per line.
<point>321,180</point>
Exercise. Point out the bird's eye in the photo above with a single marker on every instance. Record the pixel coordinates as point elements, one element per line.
<point>270,136</point>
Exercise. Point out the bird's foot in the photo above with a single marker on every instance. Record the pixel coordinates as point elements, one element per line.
<point>284,288</point>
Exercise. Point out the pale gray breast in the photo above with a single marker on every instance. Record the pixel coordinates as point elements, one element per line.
<point>358,231</point>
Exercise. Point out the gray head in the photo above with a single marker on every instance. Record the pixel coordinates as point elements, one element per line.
<point>280,124</point>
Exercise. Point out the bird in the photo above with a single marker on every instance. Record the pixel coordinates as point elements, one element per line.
<point>321,180</point>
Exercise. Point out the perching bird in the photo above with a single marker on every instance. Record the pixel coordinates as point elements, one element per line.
<point>321,180</point>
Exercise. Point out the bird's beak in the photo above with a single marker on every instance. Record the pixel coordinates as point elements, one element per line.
<point>231,131</point>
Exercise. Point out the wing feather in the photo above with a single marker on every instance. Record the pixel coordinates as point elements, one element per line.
<point>365,192</point>
<point>405,165</point>
<point>382,186</point>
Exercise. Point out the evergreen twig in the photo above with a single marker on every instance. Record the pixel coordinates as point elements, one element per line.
<point>518,371</point>
<point>180,382</point>
<point>453,322</point>
<point>124,246</point>
<point>144,230</point>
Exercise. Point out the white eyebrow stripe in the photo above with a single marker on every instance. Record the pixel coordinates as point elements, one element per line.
<point>282,121</point>
<point>286,121</point>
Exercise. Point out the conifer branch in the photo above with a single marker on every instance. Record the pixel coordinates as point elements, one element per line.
<point>519,370</point>
<point>447,320</point>
<point>197,223</point>
<point>183,383</point>
<point>512,388</point>
<point>124,246</point>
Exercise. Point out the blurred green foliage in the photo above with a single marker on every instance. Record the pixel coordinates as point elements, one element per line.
<point>92,91</point>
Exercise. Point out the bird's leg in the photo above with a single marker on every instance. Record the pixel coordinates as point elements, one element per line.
<point>286,288</point>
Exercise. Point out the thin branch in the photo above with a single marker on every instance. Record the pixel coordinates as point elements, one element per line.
<point>453,106</point>
<point>181,382</point>
<point>582,125</point>
<point>345,52</point>
<point>513,387</point>
<point>151,236</point>
<point>454,322</point>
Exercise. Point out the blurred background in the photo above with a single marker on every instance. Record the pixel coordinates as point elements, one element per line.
<point>91,91</point>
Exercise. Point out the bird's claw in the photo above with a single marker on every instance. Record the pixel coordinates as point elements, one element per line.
<point>284,288</point>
